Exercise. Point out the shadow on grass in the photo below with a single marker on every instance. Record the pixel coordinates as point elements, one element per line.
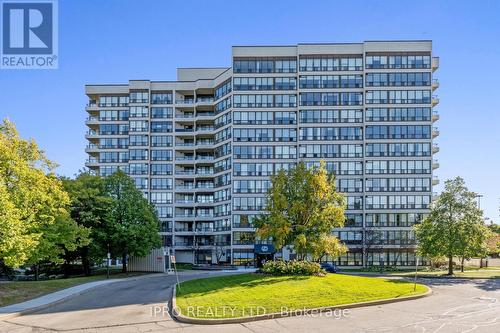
<point>212,285</point>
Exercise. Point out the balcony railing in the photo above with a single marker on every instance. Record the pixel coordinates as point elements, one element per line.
<point>435,63</point>
<point>184,101</point>
<point>185,187</point>
<point>435,84</point>
<point>184,115</point>
<point>435,115</point>
<point>205,100</point>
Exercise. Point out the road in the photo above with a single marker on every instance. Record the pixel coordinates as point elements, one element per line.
<point>130,306</point>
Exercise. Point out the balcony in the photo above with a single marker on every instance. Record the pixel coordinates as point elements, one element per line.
<point>91,134</point>
<point>183,244</point>
<point>435,180</point>
<point>435,164</point>
<point>435,63</point>
<point>205,186</point>
<point>184,172</point>
<point>91,120</point>
<point>204,158</point>
<point>184,201</point>
<point>435,100</point>
<point>435,148</point>
<point>188,101</point>
<point>205,114</point>
<point>185,187</point>
<point>205,129</point>
<point>92,148</point>
<point>184,158</point>
<point>184,116</point>
<point>184,216</point>
<point>205,143</point>
<point>435,116</point>
<point>205,100</point>
<point>202,230</point>
<point>435,84</point>
<point>435,132</point>
<point>188,131</point>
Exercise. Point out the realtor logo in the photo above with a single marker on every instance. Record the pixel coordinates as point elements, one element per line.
<point>29,34</point>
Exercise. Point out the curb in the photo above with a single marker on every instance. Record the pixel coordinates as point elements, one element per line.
<point>175,314</point>
<point>9,315</point>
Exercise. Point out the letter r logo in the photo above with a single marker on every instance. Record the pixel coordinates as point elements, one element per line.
<point>27,27</point>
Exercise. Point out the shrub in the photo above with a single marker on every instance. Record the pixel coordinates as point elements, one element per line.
<point>294,267</point>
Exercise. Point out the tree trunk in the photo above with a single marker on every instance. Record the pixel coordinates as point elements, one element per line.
<point>124,262</point>
<point>462,265</point>
<point>36,272</point>
<point>450,265</point>
<point>66,269</point>
<point>86,261</point>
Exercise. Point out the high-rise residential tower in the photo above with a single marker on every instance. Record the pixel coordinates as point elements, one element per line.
<point>202,148</point>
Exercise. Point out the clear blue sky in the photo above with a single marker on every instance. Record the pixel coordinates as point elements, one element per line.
<point>113,41</point>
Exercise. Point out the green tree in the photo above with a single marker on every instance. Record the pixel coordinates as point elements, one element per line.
<point>493,241</point>
<point>454,227</point>
<point>303,207</point>
<point>89,207</point>
<point>33,215</point>
<point>132,222</point>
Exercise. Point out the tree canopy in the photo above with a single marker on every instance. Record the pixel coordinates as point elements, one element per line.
<point>34,223</point>
<point>303,207</point>
<point>89,207</point>
<point>132,224</point>
<point>454,227</point>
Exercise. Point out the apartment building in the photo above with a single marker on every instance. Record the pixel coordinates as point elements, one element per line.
<point>202,148</point>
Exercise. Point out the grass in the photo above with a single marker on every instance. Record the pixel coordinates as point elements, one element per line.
<point>239,295</point>
<point>20,291</point>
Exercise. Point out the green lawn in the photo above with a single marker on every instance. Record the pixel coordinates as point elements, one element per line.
<point>238,295</point>
<point>20,291</point>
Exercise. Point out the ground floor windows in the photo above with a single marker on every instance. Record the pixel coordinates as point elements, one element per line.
<point>242,257</point>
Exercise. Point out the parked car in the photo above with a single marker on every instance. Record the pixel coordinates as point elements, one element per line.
<point>329,267</point>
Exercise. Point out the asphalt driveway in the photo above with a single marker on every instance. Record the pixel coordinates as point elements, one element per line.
<point>139,306</point>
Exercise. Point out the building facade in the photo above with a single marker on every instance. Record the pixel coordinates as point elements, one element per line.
<point>202,148</point>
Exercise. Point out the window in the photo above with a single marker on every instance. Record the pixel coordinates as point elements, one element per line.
<point>264,65</point>
<point>139,112</point>
<point>161,155</point>
<point>139,97</point>
<point>331,98</point>
<point>331,116</point>
<point>161,169</point>
<point>331,63</point>
<point>161,112</point>
<point>398,61</point>
<point>161,98</point>
<point>161,126</point>
<point>223,89</point>
<point>161,197</point>
<point>398,114</point>
<point>161,183</point>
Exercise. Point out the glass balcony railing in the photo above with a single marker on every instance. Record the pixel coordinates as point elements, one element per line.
<point>184,100</point>
<point>205,99</point>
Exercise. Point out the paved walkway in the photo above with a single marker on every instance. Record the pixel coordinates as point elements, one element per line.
<point>138,306</point>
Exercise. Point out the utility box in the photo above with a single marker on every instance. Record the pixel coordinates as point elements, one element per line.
<point>154,262</point>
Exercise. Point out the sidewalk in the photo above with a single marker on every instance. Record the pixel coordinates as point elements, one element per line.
<point>44,301</point>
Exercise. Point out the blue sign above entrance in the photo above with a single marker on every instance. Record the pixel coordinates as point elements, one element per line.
<point>264,249</point>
